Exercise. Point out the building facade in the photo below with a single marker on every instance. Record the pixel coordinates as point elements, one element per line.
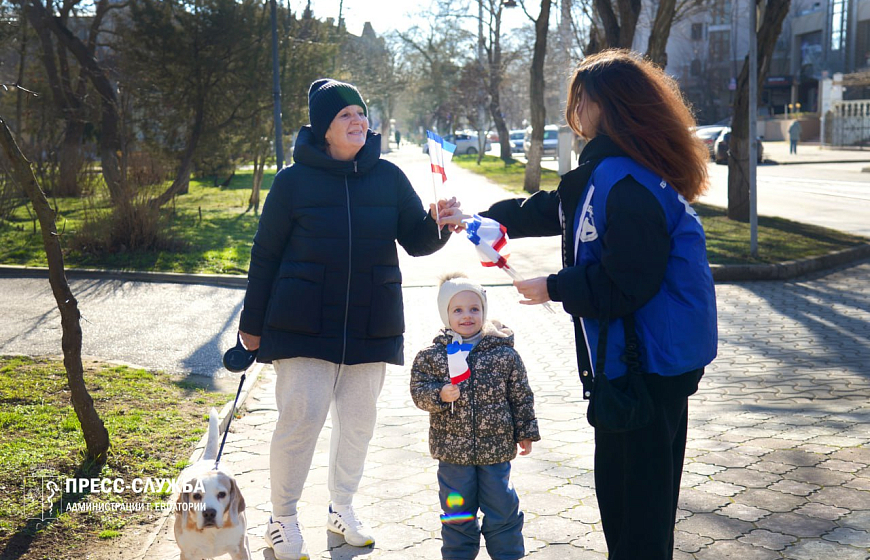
<point>709,43</point>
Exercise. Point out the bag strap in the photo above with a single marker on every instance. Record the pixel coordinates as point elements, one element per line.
<point>631,356</point>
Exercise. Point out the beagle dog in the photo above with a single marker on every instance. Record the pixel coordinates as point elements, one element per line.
<point>210,511</point>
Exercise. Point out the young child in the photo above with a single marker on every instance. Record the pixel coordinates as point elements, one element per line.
<point>476,425</point>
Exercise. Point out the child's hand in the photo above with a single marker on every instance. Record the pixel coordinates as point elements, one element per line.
<point>449,393</point>
<point>526,446</point>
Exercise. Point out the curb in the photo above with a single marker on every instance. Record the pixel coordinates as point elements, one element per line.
<point>251,378</point>
<point>774,162</point>
<point>721,272</point>
<point>227,280</point>
<point>788,269</point>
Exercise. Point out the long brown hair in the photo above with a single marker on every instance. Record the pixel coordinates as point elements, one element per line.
<point>643,112</point>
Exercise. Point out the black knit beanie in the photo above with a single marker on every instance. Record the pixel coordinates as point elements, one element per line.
<point>326,98</point>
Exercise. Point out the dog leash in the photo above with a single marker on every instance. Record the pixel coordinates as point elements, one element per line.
<point>229,421</point>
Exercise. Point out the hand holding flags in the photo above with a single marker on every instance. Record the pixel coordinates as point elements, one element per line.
<point>440,153</point>
<point>491,240</point>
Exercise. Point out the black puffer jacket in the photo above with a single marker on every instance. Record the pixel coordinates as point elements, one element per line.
<point>496,406</point>
<point>324,280</point>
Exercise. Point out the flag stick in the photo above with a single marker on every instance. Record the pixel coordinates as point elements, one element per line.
<point>517,276</point>
<point>437,213</point>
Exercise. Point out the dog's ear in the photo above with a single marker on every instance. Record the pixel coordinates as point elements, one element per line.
<point>182,505</point>
<point>237,502</point>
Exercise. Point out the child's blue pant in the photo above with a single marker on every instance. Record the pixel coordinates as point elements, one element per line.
<point>489,489</point>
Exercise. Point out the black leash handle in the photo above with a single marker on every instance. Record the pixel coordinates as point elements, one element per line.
<point>229,421</point>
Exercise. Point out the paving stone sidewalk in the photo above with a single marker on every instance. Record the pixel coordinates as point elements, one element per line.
<point>778,460</point>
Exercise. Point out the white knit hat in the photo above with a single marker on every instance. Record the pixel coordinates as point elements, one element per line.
<point>452,284</point>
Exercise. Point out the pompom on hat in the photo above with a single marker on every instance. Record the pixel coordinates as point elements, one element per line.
<point>452,284</point>
<point>326,97</point>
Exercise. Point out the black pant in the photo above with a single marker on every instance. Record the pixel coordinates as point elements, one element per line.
<point>637,474</point>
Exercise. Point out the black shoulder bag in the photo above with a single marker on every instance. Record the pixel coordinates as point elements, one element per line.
<point>624,404</point>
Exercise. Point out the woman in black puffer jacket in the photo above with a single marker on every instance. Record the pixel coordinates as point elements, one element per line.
<point>324,301</point>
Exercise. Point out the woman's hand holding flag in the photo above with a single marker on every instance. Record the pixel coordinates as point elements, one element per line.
<point>448,213</point>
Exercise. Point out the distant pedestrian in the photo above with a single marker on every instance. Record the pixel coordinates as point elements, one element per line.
<point>476,425</point>
<point>634,267</point>
<point>324,302</point>
<point>398,139</point>
<point>794,136</point>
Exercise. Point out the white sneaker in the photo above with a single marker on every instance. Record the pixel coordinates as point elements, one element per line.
<point>284,535</point>
<point>346,523</point>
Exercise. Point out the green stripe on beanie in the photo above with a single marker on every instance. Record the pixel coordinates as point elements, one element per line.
<point>326,97</point>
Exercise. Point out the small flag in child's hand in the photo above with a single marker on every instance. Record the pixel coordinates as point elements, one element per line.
<point>440,153</point>
<point>491,240</point>
<point>457,361</point>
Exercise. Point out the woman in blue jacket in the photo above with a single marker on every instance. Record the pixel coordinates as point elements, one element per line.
<point>633,255</point>
<point>324,302</point>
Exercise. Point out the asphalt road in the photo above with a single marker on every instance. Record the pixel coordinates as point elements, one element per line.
<point>177,328</point>
<point>833,195</point>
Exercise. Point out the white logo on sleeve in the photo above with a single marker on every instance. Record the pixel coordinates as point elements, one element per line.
<point>689,210</point>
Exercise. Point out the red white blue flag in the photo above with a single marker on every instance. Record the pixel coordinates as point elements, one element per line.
<point>440,154</point>
<point>491,240</point>
<point>457,360</point>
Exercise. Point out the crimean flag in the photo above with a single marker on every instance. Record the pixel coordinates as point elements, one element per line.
<point>491,240</point>
<point>440,154</point>
<point>457,360</point>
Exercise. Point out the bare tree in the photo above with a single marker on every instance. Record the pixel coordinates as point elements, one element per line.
<point>95,434</point>
<point>532,181</point>
<point>770,25</point>
<point>111,146</point>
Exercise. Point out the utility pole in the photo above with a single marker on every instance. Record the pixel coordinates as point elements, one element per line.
<point>276,90</point>
<point>566,135</point>
<point>481,109</point>
<point>753,136</point>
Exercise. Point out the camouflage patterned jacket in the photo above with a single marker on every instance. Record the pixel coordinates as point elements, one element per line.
<point>495,409</point>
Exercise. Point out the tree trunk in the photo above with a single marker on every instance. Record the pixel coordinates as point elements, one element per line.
<point>656,49</point>
<point>617,27</point>
<point>22,60</point>
<point>71,159</point>
<point>770,25</point>
<point>536,93</point>
<point>95,434</point>
<point>182,178</point>
<point>259,169</point>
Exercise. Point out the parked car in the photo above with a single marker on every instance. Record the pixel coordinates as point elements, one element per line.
<point>722,147</point>
<point>709,135</point>
<point>551,140</point>
<point>465,143</point>
<point>516,140</point>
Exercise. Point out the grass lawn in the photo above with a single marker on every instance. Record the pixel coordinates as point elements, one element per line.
<point>727,241</point>
<point>154,422</point>
<point>209,225</point>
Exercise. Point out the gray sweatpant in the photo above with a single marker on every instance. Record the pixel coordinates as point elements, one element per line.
<point>305,390</point>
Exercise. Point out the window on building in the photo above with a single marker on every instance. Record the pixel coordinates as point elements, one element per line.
<point>695,68</point>
<point>697,31</point>
<point>838,24</point>
<point>720,46</point>
<point>862,53</point>
<point>721,12</point>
